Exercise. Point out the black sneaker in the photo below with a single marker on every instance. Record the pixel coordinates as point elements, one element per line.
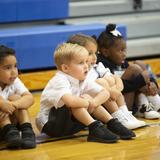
<point>28,136</point>
<point>116,127</point>
<point>99,133</point>
<point>11,136</point>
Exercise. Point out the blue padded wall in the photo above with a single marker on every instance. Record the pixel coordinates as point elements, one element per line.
<point>41,9</point>
<point>35,45</point>
<point>29,10</point>
<point>8,10</point>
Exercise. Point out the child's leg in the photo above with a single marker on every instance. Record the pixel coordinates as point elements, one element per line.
<point>123,107</point>
<point>23,119</point>
<point>120,100</point>
<point>113,124</point>
<point>9,133</point>
<point>82,115</point>
<point>129,99</point>
<point>131,72</point>
<point>114,93</point>
<point>118,112</point>
<point>111,106</point>
<point>110,80</point>
<point>97,131</point>
<point>22,116</point>
<point>5,121</point>
<point>103,82</point>
<point>155,100</point>
<point>145,109</point>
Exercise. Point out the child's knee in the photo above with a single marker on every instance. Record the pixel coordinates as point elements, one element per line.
<point>14,97</point>
<point>103,82</point>
<point>141,64</point>
<point>135,69</point>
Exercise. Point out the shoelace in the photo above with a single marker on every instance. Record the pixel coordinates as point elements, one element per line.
<point>149,107</point>
<point>131,116</point>
<point>122,117</point>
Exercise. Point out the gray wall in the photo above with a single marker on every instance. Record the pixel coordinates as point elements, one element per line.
<point>143,23</point>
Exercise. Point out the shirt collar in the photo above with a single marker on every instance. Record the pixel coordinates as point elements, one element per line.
<point>71,79</point>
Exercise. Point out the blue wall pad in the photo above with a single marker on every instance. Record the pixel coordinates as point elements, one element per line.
<point>8,10</point>
<point>35,45</point>
<point>41,9</point>
<point>29,10</point>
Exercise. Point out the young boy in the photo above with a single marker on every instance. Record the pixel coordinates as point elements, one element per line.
<point>69,102</point>
<point>98,73</point>
<point>15,99</point>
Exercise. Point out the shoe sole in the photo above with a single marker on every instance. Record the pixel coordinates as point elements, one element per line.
<point>28,145</point>
<point>95,139</point>
<point>127,137</point>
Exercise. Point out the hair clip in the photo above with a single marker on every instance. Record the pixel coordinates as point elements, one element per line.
<point>116,33</point>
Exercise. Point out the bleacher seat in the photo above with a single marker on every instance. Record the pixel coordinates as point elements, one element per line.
<point>35,45</point>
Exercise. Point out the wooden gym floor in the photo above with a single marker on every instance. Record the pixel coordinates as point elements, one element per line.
<point>146,146</point>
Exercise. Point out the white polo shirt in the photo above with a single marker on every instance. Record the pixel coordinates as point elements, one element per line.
<point>58,86</point>
<point>98,71</point>
<point>17,87</point>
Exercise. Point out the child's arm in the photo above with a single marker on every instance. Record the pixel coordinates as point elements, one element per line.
<point>6,106</point>
<point>119,83</point>
<point>3,115</point>
<point>79,102</point>
<point>74,101</point>
<point>101,97</point>
<point>24,102</point>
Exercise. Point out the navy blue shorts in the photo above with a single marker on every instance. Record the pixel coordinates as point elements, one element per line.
<point>61,123</point>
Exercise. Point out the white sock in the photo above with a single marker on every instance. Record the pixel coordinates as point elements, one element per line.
<point>123,108</point>
<point>155,100</point>
<point>142,99</point>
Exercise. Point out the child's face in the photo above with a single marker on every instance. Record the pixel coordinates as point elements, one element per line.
<point>8,70</point>
<point>92,49</point>
<point>78,67</point>
<point>117,53</point>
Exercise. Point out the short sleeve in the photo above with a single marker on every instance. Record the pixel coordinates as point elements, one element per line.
<point>54,91</point>
<point>102,70</point>
<point>19,87</point>
<point>92,88</point>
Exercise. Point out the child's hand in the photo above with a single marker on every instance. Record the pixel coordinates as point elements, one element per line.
<point>3,115</point>
<point>91,101</point>
<point>114,94</point>
<point>7,107</point>
<point>152,89</point>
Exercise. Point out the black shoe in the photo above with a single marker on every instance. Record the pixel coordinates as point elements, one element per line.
<point>28,136</point>
<point>99,133</point>
<point>116,127</point>
<point>11,136</point>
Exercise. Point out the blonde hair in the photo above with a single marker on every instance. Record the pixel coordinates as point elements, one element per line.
<point>82,40</point>
<point>65,52</point>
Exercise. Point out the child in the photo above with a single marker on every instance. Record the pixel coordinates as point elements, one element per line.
<point>112,53</point>
<point>148,95</point>
<point>116,104</point>
<point>15,99</point>
<point>67,103</point>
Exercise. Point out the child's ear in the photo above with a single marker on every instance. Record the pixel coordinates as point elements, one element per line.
<point>64,68</point>
<point>104,51</point>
